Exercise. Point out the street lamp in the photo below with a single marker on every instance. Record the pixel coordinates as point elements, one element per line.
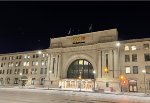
<point>118,46</point>
<point>49,79</point>
<point>144,72</point>
<point>94,72</point>
<point>80,81</point>
<point>20,74</point>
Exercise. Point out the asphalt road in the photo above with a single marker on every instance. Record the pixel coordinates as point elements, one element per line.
<point>55,96</point>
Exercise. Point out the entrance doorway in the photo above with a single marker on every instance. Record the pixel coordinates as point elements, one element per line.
<point>133,86</point>
<point>77,84</point>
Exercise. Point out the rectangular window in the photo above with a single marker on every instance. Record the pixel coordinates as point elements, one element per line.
<point>149,84</point>
<point>16,81</point>
<point>128,70</point>
<point>3,71</point>
<point>45,70</point>
<point>147,56</point>
<point>41,71</point>
<point>18,71</point>
<point>107,60</point>
<point>127,58</point>
<point>147,68</point>
<point>26,71</point>
<point>134,57</point>
<point>107,84</point>
<point>37,55</point>
<point>135,69</point>
<point>23,71</point>
<point>7,71</point>
<point>1,64</point>
<point>126,48</point>
<point>133,48</point>
<point>43,62</point>
<point>35,71</point>
<point>146,46</point>
<point>54,65</point>
<point>15,71</point>
<point>10,71</point>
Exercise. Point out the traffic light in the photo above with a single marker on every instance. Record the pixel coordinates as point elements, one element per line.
<point>105,70</point>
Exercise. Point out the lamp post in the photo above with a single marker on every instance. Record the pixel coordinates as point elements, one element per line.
<point>80,81</point>
<point>20,74</point>
<point>118,46</point>
<point>94,72</point>
<point>144,72</point>
<point>49,79</point>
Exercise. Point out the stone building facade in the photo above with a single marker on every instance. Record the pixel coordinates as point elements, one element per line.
<point>82,62</point>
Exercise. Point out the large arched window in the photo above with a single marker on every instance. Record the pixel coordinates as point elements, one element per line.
<point>80,68</point>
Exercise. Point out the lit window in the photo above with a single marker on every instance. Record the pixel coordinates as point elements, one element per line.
<point>128,70</point>
<point>27,64</point>
<point>43,63</point>
<point>36,63</point>
<point>85,63</point>
<point>146,46</point>
<point>80,62</point>
<point>25,56</point>
<point>133,47</point>
<point>24,63</point>
<point>126,48</point>
<point>28,56</point>
<point>43,55</point>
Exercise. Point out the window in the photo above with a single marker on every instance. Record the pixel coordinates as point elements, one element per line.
<point>18,71</point>
<point>134,57</point>
<point>127,58</point>
<point>37,55</point>
<point>23,71</point>
<point>46,62</point>
<point>26,71</point>
<point>133,48</point>
<point>107,60</point>
<point>33,81</point>
<point>27,64</point>
<point>33,55</point>
<point>107,84</point>
<point>32,71</point>
<point>1,64</point>
<point>7,71</point>
<point>16,81</point>
<point>35,71</point>
<point>43,62</point>
<point>147,68</point>
<point>80,62</point>
<point>147,56</point>
<point>15,71</point>
<point>149,84</point>
<point>36,63</point>
<point>3,71</point>
<point>80,68</point>
<point>24,63</point>
<point>146,46</point>
<point>41,72</point>
<point>10,71</point>
<point>8,80</point>
<point>126,48</point>
<point>128,70</point>
<point>135,69</point>
<point>45,70</point>
<point>43,55</point>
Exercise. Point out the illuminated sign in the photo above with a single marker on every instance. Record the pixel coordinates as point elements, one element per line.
<point>79,39</point>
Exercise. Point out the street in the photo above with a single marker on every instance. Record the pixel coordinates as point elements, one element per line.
<point>16,95</point>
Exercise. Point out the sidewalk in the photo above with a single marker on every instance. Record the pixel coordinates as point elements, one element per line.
<point>89,91</point>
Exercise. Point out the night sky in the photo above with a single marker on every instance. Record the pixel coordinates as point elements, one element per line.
<point>26,26</point>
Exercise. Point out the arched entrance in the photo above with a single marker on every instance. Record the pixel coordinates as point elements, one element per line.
<point>79,75</point>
